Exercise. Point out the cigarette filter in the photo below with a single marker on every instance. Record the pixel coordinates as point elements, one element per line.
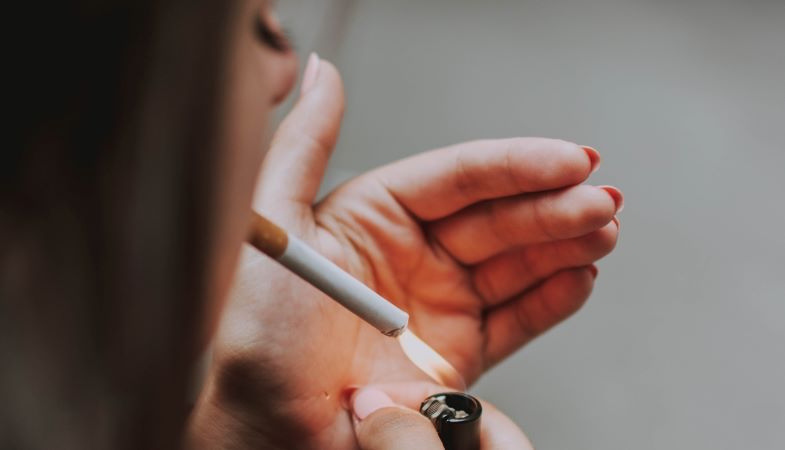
<point>323,274</point>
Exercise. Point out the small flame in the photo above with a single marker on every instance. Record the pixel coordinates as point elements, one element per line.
<point>433,364</point>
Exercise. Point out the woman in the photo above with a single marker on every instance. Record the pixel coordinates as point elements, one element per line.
<point>124,212</point>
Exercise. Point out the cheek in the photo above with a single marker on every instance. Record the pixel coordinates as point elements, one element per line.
<point>247,110</point>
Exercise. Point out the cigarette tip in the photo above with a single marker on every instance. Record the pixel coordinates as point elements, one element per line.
<point>396,332</point>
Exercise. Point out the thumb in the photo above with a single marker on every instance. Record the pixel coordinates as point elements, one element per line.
<point>293,168</point>
<point>380,424</point>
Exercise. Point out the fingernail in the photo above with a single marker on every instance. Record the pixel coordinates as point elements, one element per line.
<point>594,158</point>
<point>616,221</point>
<point>310,74</point>
<point>594,271</point>
<point>616,195</point>
<point>367,400</point>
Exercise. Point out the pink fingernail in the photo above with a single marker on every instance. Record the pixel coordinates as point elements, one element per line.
<point>594,158</point>
<point>616,195</point>
<point>310,74</point>
<point>367,400</point>
<point>594,271</point>
<point>616,221</point>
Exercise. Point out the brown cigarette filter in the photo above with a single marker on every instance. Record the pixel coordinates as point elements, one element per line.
<point>323,274</point>
<point>266,236</point>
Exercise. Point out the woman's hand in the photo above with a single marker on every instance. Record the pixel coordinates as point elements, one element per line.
<point>485,244</point>
<point>385,419</point>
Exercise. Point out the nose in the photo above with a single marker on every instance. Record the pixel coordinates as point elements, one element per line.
<point>284,75</point>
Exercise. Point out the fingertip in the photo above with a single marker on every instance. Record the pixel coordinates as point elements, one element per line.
<point>302,145</point>
<point>562,295</point>
<point>395,428</point>
<point>603,241</point>
<point>587,208</point>
<point>579,162</point>
<point>575,284</point>
<point>616,195</point>
<point>365,401</point>
<point>594,158</point>
<point>381,424</point>
<point>577,289</point>
<point>321,88</point>
<point>310,74</point>
<point>329,77</point>
<point>560,163</point>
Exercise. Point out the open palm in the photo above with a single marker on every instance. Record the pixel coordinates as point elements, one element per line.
<point>485,244</point>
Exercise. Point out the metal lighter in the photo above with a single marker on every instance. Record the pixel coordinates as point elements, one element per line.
<point>456,417</point>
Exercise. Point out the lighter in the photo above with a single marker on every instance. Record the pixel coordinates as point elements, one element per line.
<point>456,417</point>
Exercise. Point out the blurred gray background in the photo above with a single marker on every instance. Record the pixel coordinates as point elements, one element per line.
<point>682,344</point>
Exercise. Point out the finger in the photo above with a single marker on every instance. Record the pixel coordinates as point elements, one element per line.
<point>434,184</point>
<point>513,324</point>
<point>380,424</point>
<point>505,275</point>
<point>499,432</point>
<point>496,226</point>
<point>410,393</point>
<point>293,169</point>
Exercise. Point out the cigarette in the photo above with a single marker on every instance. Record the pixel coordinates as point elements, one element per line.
<point>324,275</point>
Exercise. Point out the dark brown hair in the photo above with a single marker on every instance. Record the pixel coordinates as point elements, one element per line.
<point>105,220</point>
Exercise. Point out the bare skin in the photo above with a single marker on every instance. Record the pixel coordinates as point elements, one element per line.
<point>486,244</point>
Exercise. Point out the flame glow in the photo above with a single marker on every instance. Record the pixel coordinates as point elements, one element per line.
<point>430,362</point>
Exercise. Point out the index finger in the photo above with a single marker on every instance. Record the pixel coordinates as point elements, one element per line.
<point>437,183</point>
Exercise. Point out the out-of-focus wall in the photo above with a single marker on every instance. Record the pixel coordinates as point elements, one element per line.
<point>682,344</point>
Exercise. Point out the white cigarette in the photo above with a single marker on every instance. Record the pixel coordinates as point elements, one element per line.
<point>323,274</point>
